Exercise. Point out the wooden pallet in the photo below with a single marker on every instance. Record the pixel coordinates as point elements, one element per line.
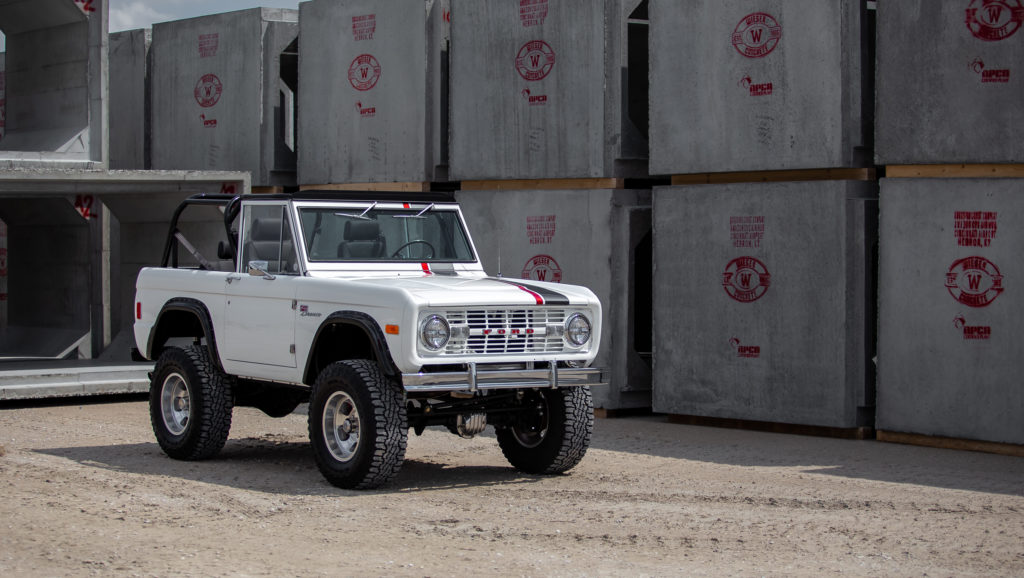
<point>950,443</point>
<point>851,433</point>
<point>401,187</point>
<point>955,171</point>
<point>267,190</point>
<point>861,174</point>
<point>544,184</point>
<point>602,413</point>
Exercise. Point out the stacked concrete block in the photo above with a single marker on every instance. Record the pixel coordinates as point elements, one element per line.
<point>594,238</point>
<point>951,309</point>
<point>372,103</point>
<point>745,85</point>
<point>540,89</point>
<point>55,89</point>
<point>223,94</point>
<point>3,96</point>
<point>949,82</point>
<point>129,78</point>
<point>762,302</point>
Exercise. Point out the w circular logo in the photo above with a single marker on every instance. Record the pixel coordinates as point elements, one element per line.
<point>992,20</point>
<point>746,279</point>
<point>535,60</point>
<point>974,281</point>
<point>756,35</point>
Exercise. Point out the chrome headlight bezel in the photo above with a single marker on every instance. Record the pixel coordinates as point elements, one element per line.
<point>435,332</point>
<point>578,330</point>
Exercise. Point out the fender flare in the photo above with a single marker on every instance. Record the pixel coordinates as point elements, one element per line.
<point>202,314</point>
<point>369,326</point>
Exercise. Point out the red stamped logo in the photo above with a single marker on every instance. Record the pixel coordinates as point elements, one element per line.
<point>533,12</point>
<point>542,268</point>
<point>208,90</point>
<point>746,279</point>
<point>974,281</point>
<point>364,72</point>
<point>992,20</point>
<point>756,35</point>
<point>535,60</point>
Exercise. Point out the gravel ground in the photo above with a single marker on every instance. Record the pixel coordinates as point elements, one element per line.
<point>85,490</point>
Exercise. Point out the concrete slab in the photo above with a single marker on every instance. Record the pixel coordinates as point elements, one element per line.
<point>594,238</point>
<point>219,100</point>
<point>762,307</point>
<point>744,85</point>
<point>129,77</point>
<point>950,311</point>
<point>373,91</point>
<point>56,84</point>
<point>34,380</point>
<point>541,89</point>
<point>949,82</point>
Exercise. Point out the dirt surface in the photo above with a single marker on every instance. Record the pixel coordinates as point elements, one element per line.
<point>85,490</point>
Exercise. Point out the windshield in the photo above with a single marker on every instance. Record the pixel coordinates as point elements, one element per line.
<point>422,234</point>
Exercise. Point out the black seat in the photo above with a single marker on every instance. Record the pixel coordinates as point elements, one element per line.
<point>265,242</point>
<point>362,241</point>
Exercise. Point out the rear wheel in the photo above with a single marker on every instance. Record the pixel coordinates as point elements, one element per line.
<point>357,425</point>
<point>554,435</point>
<point>190,404</point>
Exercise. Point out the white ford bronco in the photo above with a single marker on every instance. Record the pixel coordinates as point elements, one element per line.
<point>373,308</point>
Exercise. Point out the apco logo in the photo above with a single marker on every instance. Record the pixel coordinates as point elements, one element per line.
<point>992,20</point>
<point>208,90</point>
<point>974,281</point>
<point>366,111</point>
<point>542,268</point>
<point>533,12</point>
<point>990,75</point>
<point>364,72</point>
<point>756,88</point>
<point>746,279</point>
<point>756,35</point>
<point>972,332</point>
<point>535,60</point>
<point>534,99</point>
<point>208,122</point>
<point>745,351</point>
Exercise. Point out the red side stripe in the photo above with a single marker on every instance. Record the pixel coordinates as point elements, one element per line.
<point>426,268</point>
<point>540,300</point>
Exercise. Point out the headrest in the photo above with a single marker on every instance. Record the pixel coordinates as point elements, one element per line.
<point>362,230</point>
<point>266,230</point>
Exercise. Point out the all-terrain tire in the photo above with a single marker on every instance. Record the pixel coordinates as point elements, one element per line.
<point>190,403</point>
<point>357,425</point>
<point>553,438</point>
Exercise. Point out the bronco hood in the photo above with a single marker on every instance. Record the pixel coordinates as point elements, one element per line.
<point>450,290</point>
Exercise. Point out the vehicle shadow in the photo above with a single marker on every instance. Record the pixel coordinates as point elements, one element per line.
<point>279,467</point>
<point>856,459</point>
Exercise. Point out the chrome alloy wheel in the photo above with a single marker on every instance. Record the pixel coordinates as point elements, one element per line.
<point>175,403</point>
<point>341,426</point>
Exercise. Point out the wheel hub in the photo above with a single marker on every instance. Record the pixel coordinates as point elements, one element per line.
<point>341,426</point>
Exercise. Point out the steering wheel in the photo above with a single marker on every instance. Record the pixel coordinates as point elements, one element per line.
<point>415,242</point>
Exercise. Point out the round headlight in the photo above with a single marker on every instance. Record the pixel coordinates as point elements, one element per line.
<point>577,329</point>
<point>435,332</point>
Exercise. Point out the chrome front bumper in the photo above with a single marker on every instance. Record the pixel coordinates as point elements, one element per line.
<point>474,379</point>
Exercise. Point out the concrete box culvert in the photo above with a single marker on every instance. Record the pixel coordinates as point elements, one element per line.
<point>129,75</point>
<point>950,308</point>
<point>223,94</point>
<point>596,238</point>
<point>763,307</point>
<point>739,85</point>
<point>373,91</point>
<point>55,93</point>
<point>949,82</point>
<point>548,89</point>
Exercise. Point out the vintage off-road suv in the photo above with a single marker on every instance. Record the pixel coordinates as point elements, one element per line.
<point>374,309</point>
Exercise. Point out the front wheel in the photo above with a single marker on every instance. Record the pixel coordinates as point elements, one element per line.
<point>553,435</point>
<point>190,404</point>
<point>357,425</point>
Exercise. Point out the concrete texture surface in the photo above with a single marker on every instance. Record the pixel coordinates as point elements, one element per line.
<point>739,85</point>
<point>761,302</point>
<point>589,238</point>
<point>538,90</point>
<point>129,99</point>
<point>373,87</point>
<point>950,308</point>
<point>949,82</point>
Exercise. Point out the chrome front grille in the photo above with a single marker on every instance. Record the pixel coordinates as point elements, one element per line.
<point>506,331</point>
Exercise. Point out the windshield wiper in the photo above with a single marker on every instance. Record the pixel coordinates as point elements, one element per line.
<point>360,215</point>
<point>418,215</point>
